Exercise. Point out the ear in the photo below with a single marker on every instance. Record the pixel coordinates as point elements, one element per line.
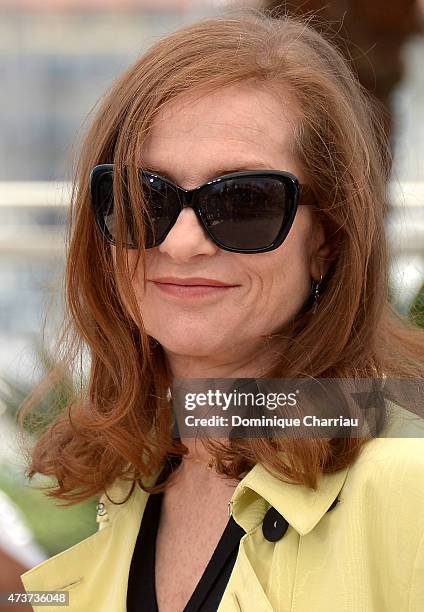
<point>321,253</point>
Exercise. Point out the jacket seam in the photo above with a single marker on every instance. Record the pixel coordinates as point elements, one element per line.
<point>414,568</point>
<point>55,557</point>
<point>296,572</point>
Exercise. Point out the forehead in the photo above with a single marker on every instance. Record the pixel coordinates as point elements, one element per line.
<point>237,124</point>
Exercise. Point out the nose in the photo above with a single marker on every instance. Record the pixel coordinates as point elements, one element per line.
<point>187,238</point>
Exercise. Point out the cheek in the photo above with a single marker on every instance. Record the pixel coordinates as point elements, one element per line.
<point>285,278</point>
<point>136,278</point>
<point>289,264</point>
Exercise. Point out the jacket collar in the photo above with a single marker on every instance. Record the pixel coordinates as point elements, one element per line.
<point>301,506</point>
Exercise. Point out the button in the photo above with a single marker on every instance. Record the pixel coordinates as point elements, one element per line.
<point>101,509</point>
<point>102,514</point>
<point>274,525</point>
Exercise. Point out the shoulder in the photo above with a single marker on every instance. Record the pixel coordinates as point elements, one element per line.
<point>397,456</point>
<point>392,466</point>
<point>386,488</point>
<point>386,482</point>
<point>400,446</point>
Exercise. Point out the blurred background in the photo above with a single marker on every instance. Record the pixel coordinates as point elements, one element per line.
<point>57,57</point>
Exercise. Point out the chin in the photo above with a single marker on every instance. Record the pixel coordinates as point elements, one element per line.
<point>191,347</point>
<point>189,350</point>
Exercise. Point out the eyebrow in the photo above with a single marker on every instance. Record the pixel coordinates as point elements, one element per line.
<point>254,165</point>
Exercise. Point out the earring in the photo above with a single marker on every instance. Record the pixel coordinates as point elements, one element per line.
<point>315,289</point>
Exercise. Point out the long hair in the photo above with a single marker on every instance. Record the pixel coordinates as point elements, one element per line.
<point>118,424</point>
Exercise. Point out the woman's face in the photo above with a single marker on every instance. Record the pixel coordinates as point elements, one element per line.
<point>223,334</point>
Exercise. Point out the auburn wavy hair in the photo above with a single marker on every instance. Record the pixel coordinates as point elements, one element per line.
<point>117,422</point>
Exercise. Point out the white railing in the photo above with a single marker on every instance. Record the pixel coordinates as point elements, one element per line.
<point>21,235</point>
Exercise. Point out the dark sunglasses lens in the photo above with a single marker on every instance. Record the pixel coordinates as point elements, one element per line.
<point>161,200</point>
<point>247,213</point>
<point>163,205</point>
<point>104,204</point>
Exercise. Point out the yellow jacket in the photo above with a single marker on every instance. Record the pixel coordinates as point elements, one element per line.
<point>364,553</point>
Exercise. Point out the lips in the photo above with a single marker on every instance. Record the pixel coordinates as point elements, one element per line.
<point>193,288</point>
<point>196,281</point>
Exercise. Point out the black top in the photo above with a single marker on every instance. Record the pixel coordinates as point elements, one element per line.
<point>207,595</point>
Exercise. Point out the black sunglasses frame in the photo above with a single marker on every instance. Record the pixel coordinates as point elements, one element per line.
<point>301,195</point>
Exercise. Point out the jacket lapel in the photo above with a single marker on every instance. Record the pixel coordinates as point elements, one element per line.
<point>95,571</point>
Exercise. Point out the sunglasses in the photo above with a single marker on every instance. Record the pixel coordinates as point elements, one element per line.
<point>242,212</point>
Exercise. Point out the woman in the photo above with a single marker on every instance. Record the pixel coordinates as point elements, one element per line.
<point>286,280</point>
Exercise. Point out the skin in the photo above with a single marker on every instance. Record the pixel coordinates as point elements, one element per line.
<point>193,140</point>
